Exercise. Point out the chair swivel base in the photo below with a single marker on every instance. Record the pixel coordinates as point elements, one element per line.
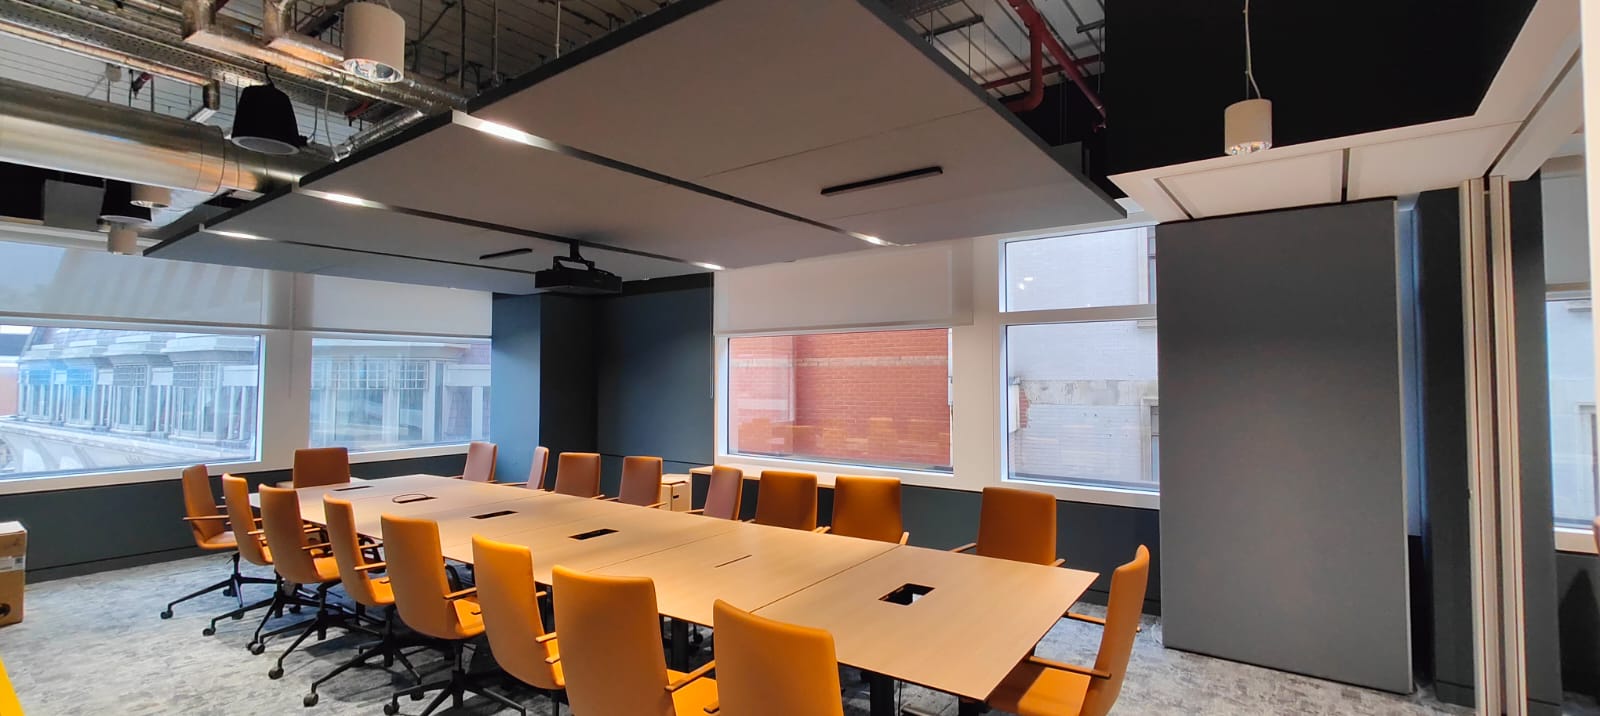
<point>328,616</point>
<point>455,688</point>
<point>284,597</point>
<point>389,646</point>
<point>230,588</point>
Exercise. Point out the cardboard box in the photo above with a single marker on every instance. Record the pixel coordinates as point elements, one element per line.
<point>13,564</point>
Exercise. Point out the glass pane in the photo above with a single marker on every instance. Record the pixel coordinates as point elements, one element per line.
<point>1574,470</point>
<point>1081,403</point>
<point>78,400</point>
<point>1110,268</point>
<point>875,398</point>
<point>387,394</point>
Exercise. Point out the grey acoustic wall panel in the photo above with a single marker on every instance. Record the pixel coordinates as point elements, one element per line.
<point>1283,517</point>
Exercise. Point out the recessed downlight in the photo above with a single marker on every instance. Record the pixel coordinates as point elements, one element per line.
<point>875,241</point>
<point>708,267</point>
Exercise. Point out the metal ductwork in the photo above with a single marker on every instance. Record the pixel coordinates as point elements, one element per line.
<point>64,132</point>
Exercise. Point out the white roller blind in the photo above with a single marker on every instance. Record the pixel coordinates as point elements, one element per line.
<point>332,303</point>
<point>65,283</point>
<point>928,285</point>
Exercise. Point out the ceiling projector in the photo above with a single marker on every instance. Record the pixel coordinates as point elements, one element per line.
<point>576,276</point>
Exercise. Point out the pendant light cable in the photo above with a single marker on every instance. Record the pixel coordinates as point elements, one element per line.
<point>1249,67</point>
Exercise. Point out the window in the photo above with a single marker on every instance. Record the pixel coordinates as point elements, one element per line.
<point>1082,405</point>
<point>78,400</point>
<point>382,394</point>
<point>1575,471</point>
<point>878,398</point>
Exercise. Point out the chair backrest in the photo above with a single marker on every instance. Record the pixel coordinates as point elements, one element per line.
<point>724,492</point>
<point>286,535</point>
<point>867,507</point>
<point>787,499</point>
<point>415,564</point>
<point>242,520</point>
<point>541,463</point>
<point>578,474</point>
<point>641,481</point>
<point>199,501</point>
<point>321,466</point>
<point>480,461</point>
<point>772,668</point>
<point>511,617</point>
<point>346,544</point>
<point>1018,525</point>
<point>1116,642</point>
<point>611,644</point>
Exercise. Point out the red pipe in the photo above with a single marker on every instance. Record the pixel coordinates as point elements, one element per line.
<point>1036,72</point>
<point>1048,70</point>
<point>1031,18</point>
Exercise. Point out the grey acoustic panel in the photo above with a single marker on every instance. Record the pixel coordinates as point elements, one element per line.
<point>1283,516</point>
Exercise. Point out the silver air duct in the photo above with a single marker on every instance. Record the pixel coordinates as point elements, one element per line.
<point>64,132</point>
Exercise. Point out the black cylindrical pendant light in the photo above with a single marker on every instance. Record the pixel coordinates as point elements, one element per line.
<point>264,121</point>
<point>117,207</point>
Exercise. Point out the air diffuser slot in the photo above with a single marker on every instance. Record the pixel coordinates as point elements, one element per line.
<point>886,180</point>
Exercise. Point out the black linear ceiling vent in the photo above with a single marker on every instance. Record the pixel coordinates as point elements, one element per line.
<point>586,280</point>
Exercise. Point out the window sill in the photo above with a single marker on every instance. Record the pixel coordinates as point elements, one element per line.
<point>1569,539</point>
<point>407,453</point>
<point>827,471</point>
<point>1093,494</point>
<point>110,478</point>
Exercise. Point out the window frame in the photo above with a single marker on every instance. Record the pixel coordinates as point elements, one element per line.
<point>825,470</point>
<point>1569,538</point>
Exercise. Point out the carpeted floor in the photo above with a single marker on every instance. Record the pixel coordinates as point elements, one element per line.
<point>94,645</point>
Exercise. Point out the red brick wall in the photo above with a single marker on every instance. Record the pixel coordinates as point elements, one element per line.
<point>877,397</point>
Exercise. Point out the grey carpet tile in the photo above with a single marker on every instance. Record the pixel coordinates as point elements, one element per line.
<point>94,645</point>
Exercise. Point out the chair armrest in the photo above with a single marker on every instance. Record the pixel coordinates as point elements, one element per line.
<point>823,529</point>
<point>965,547</point>
<point>1074,668</point>
<point>205,518</point>
<point>699,511</point>
<point>655,505</point>
<point>461,594</point>
<point>905,537</point>
<point>1074,616</point>
<point>304,528</point>
<point>553,659</point>
<point>368,567</point>
<point>457,477</point>
<point>255,533</point>
<point>1058,562</point>
<point>603,498</point>
<point>314,547</point>
<point>692,676</point>
<point>713,707</point>
<point>542,638</point>
<point>540,594</point>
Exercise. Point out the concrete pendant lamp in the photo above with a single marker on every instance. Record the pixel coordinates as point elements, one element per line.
<point>1247,124</point>
<point>151,197</point>
<point>117,207</point>
<point>374,42</point>
<point>122,240</point>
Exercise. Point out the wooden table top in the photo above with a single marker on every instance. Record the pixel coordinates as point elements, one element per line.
<point>980,618</point>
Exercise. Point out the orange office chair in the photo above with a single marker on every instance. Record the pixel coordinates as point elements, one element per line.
<point>253,549</point>
<point>426,603</point>
<point>541,462</point>
<point>355,573</point>
<point>641,482</point>
<point>480,462</point>
<point>511,617</point>
<point>769,668</point>
<point>578,474</point>
<point>9,704</point>
<point>787,499</point>
<point>299,562</point>
<point>1041,687</point>
<point>724,493</point>
<point>869,508</point>
<point>1018,525</point>
<point>208,524</point>
<point>314,467</point>
<point>611,653</point>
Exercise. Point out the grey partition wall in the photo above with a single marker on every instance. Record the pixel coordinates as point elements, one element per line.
<point>1283,471</point>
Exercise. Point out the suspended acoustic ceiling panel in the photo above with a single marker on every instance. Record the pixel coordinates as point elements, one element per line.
<point>306,234</point>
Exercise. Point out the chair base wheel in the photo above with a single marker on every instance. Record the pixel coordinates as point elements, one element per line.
<point>166,614</point>
<point>294,609</point>
<point>391,708</point>
<point>416,697</point>
<point>237,617</point>
<point>227,592</point>
<point>208,631</point>
<point>275,673</point>
<point>257,648</point>
<point>310,699</point>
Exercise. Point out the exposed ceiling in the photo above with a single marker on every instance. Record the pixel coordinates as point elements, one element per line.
<point>691,151</point>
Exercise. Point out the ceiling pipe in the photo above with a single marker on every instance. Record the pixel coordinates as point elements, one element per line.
<point>1035,94</point>
<point>1031,18</point>
<point>277,25</point>
<point>199,29</point>
<point>1052,69</point>
<point>65,132</point>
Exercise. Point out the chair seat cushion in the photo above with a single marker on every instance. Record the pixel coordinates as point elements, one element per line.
<point>327,569</point>
<point>691,700</point>
<point>1034,690</point>
<point>220,541</point>
<point>382,592</point>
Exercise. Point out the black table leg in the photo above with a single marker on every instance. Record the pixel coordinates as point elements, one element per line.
<point>969,708</point>
<point>881,690</point>
<point>680,643</point>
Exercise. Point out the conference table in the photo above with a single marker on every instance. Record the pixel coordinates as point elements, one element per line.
<point>955,623</point>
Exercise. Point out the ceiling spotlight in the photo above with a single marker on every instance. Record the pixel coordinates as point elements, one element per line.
<point>264,121</point>
<point>875,241</point>
<point>122,240</point>
<point>374,42</point>
<point>708,266</point>
<point>151,197</point>
<point>234,234</point>
<point>343,198</point>
<point>117,206</point>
